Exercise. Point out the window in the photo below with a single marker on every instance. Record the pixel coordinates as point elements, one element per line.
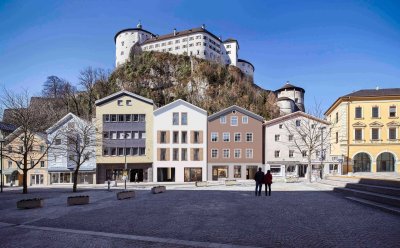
<point>375,133</point>
<point>249,137</point>
<point>175,154</point>
<point>245,119</point>
<point>128,151</point>
<point>214,137</point>
<point>291,153</point>
<point>237,153</point>
<point>42,164</point>
<point>222,119</point>
<point>10,150</point>
<point>337,117</point>
<point>113,118</point>
<point>142,134</point>
<point>237,171</point>
<point>142,151</point>
<point>142,118</point>
<point>214,153</point>
<point>375,112</point>
<point>42,148</point>
<point>184,118</point>
<point>226,137</point>
<point>184,154</point>
<point>122,43</point>
<point>196,137</point>
<point>121,151</point>
<point>106,118</point>
<point>249,153</point>
<point>128,102</point>
<point>32,163</point>
<point>163,154</point>
<point>128,118</point>
<point>113,135</point>
<point>121,135</point>
<point>358,134</point>
<point>290,137</point>
<point>237,137</point>
<point>392,133</point>
<point>9,164</point>
<point>175,118</point>
<point>234,120</point>
<point>277,137</point>
<point>298,123</point>
<point>175,137</point>
<point>358,112</point>
<point>113,151</point>
<point>119,102</point>
<point>280,126</point>
<point>304,154</point>
<point>184,137</point>
<point>57,142</point>
<point>226,153</point>
<point>276,153</point>
<point>392,111</point>
<point>163,137</point>
<point>196,154</point>
<point>337,137</point>
<point>135,151</point>
<point>121,118</point>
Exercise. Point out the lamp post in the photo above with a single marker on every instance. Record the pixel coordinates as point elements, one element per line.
<point>1,161</point>
<point>322,148</point>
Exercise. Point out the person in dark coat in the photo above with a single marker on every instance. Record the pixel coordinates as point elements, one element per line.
<point>268,182</point>
<point>259,178</point>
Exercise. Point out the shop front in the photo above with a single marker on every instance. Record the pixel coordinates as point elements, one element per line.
<point>116,172</point>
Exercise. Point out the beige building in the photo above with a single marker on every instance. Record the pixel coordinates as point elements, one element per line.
<point>125,137</point>
<point>13,153</point>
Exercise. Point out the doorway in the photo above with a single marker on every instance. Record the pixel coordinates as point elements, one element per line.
<point>219,172</point>
<point>251,171</point>
<point>36,179</point>
<point>136,175</point>
<point>166,174</point>
<point>302,170</point>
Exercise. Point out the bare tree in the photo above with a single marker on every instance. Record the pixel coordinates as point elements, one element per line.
<point>310,136</point>
<point>76,141</point>
<point>53,87</point>
<point>31,120</point>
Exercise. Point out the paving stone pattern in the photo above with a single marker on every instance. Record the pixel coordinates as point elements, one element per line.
<point>296,215</point>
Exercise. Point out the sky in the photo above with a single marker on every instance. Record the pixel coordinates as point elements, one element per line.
<point>329,48</point>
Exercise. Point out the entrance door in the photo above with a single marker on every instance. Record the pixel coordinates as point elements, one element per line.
<point>36,179</point>
<point>302,170</point>
<point>220,172</point>
<point>251,171</point>
<point>136,175</point>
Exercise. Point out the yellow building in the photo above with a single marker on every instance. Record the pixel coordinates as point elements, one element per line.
<point>125,137</point>
<point>365,130</point>
<point>12,153</point>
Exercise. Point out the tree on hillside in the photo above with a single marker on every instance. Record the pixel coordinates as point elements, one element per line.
<point>54,87</point>
<point>31,121</point>
<point>311,135</point>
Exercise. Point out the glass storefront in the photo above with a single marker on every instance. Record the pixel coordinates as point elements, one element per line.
<point>361,162</point>
<point>67,177</point>
<point>37,179</point>
<point>385,162</point>
<point>219,172</point>
<point>193,175</point>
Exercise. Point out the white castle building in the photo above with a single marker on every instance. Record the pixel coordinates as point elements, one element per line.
<point>198,42</point>
<point>290,99</point>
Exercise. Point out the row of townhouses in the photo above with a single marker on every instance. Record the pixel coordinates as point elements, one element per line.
<point>180,142</point>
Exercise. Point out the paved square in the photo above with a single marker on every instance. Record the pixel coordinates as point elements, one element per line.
<point>296,215</point>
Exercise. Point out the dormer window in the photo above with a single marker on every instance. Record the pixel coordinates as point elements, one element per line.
<point>119,102</point>
<point>128,102</point>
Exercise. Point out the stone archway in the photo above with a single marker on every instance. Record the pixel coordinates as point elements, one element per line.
<point>385,162</point>
<point>361,162</point>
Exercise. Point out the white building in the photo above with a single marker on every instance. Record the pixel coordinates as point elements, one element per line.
<point>180,149</point>
<point>198,42</point>
<point>282,156</point>
<point>290,99</point>
<point>60,164</point>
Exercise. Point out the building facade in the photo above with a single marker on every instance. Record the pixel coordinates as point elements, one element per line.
<point>286,157</point>
<point>13,153</point>
<point>124,143</point>
<point>290,99</point>
<point>197,42</point>
<point>365,130</point>
<point>235,144</point>
<point>180,143</point>
<point>61,155</point>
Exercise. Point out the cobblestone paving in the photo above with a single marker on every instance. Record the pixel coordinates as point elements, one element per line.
<point>296,215</point>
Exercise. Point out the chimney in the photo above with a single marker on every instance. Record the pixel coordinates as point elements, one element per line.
<point>203,26</point>
<point>174,31</point>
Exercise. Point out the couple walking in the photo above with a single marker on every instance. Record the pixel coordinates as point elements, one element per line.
<point>261,179</point>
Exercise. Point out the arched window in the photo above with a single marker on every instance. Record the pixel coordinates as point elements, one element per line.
<point>385,162</point>
<point>361,162</point>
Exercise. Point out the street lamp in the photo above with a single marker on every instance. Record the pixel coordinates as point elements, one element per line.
<point>1,161</point>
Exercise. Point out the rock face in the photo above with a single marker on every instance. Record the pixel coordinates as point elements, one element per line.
<point>166,77</point>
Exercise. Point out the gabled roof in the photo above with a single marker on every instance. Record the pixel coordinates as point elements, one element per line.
<point>236,108</point>
<point>121,93</point>
<point>17,132</point>
<point>63,120</point>
<point>177,103</point>
<point>294,115</point>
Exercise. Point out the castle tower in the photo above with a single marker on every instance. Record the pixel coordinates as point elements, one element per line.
<point>290,98</point>
<point>125,39</point>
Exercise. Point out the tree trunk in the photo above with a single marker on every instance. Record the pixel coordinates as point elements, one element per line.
<point>25,181</point>
<point>309,170</point>
<point>75,178</point>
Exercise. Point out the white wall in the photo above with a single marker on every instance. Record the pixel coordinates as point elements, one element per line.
<point>124,43</point>
<point>233,48</point>
<point>197,121</point>
<point>293,94</point>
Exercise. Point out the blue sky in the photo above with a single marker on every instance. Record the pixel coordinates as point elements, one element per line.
<point>330,48</point>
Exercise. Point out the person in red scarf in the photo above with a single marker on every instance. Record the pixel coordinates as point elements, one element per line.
<point>268,182</point>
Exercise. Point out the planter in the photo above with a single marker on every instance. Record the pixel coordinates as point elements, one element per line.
<point>78,200</point>
<point>30,203</point>
<point>201,184</point>
<point>125,194</point>
<point>158,189</point>
<point>230,182</point>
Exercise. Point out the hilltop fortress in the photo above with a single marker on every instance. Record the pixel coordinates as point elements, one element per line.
<point>198,42</point>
